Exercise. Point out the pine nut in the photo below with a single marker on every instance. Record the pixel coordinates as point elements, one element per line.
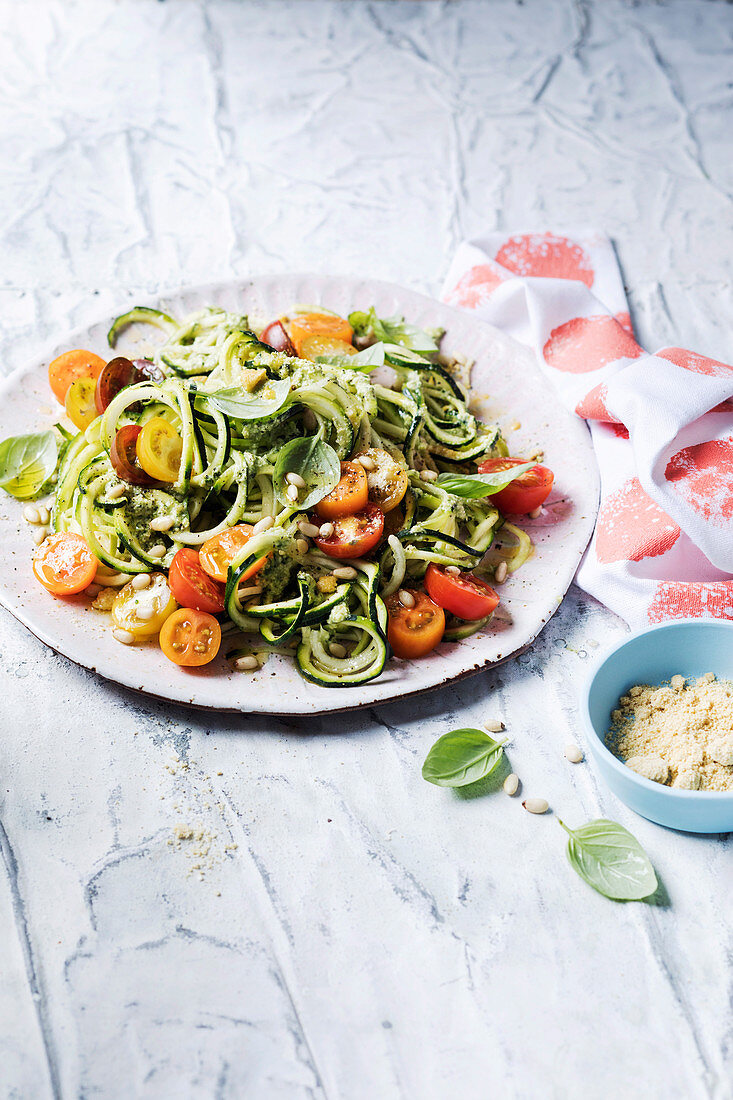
<point>253,590</point>
<point>574,754</point>
<point>157,551</point>
<point>263,524</point>
<point>366,462</point>
<point>406,598</point>
<point>494,725</point>
<point>500,572</point>
<point>511,784</point>
<point>30,514</point>
<point>43,514</point>
<point>536,805</point>
<point>345,573</point>
<point>296,480</point>
<point>246,664</point>
<point>326,530</point>
<point>116,492</point>
<point>142,580</point>
<point>123,636</point>
<point>162,523</point>
<point>535,513</point>
<point>301,547</point>
<point>428,475</point>
<point>39,535</point>
<point>336,649</point>
<point>308,529</point>
<point>292,492</point>
<point>145,612</point>
<point>453,570</point>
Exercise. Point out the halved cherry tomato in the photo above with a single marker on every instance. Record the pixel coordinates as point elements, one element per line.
<point>147,370</point>
<point>526,492</point>
<point>463,594</point>
<point>191,586</point>
<point>414,631</point>
<point>387,480</point>
<point>303,325</point>
<point>313,346</point>
<point>79,403</point>
<point>65,564</point>
<point>353,535</point>
<point>349,496</point>
<point>277,338</point>
<point>158,449</point>
<point>70,367</point>
<point>130,602</point>
<point>190,637</point>
<point>218,553</point>
<point>117,374</point>
<point>124,456</point>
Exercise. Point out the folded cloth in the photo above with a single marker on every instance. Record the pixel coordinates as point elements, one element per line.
<point>662,424</point>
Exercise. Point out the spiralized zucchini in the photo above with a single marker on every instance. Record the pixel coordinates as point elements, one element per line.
<point>231,441</point>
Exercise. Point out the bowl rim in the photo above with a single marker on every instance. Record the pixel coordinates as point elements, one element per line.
<point>597,745</point>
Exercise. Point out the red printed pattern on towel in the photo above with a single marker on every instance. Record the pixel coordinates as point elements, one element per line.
<point>474,287</point>
<point>691,600</point>
<point>546,256</point>
<point>631,526</point>
<point>588,343</point>
<point>703,476</point>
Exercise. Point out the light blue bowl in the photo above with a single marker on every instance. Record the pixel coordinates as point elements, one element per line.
<point>691,647</point>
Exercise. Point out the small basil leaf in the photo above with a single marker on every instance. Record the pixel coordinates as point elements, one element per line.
<point>239,405</point>
<point>473,486</point>
<point>26,463</point>
<point>611,860</point>
<point>318,465</point>
<point>365,360</point>
<point>461,757</point>
<point>394,330</point>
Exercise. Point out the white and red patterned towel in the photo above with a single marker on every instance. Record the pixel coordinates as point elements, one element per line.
<point>662,424</point>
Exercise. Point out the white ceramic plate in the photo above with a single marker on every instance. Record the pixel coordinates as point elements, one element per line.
<point>507,385</point>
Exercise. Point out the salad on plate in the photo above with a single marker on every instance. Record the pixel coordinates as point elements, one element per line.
<point>316,486</point>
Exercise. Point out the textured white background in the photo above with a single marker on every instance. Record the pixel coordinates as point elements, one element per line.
<point>359,934</point>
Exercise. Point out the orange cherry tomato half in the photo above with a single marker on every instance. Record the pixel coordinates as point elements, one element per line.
<point>191,586</point>
<point>354,535</point>
<point>303,325</point>
<point>218,553</point>
<point>462,594</point>
<point>65,564</point>
<point>349,496</point>
<point>414,631</point>
<point>70,367</point>
<point>526,492</point>
<point>190,637</point>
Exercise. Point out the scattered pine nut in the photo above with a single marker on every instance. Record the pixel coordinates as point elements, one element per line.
<point>263,524</point>
<point>406,598</point>
<point>246,664</point>
<point>500,572</point>
<point>301,546</point>
<point>123,636</point>
<point>535,513</point>
<point>116,492</point>
<point>162,523</point>
<point>157,551</point>
<point>494,725</point>
<point>43,514</point>
<point>453,570</point>
<point>574,754</point>
<point>30,514</point>
<point>39,535</point>
<point>308,529</point>
<point>326,530</point>
<point>536,805</point>
<point>344,573</point>
<point>142,580</point>
<point>292,492</point>
<point>296,480</point>
<point>428,475</point>
<point>511,784</point>
<point>336,649</point>
<point>145,612</point>
<point>367,462</point>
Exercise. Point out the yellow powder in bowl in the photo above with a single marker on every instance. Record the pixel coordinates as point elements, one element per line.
<point>677,733</point>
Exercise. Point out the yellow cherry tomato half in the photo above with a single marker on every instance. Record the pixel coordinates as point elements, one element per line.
<point>79,403</point>
<point>387,480</point>
<point>313,346</point>
<point>158,449</point>
<point>143,611</point>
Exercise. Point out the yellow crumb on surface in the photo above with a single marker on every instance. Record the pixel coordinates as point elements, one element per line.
<point>677,733</point>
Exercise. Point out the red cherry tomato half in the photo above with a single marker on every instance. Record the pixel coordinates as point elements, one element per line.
<point>354,535</point>
<point>148,371</point>
<point>277,338</point>
<point>124,457</point>
<point>118,373</point>
<point>526,492</point>
<point>191,586</point>
<point>463,594</point>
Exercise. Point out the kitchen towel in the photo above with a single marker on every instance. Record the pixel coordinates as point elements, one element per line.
<point>662,424</point>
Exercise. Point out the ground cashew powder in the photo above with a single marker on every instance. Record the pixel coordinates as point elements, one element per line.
<point>677,733</point>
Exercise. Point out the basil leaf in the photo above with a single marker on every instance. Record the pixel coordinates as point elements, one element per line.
<point>365,360</point>
<point>318,465</point>
<point>394,330</point>
<point>461,757</point>
<point>26,463</point>
<point>611,860</point>
<point>473,486</point>
<point>239,405</point>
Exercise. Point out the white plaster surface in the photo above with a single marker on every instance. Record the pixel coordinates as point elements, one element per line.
<point>357,933</point>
